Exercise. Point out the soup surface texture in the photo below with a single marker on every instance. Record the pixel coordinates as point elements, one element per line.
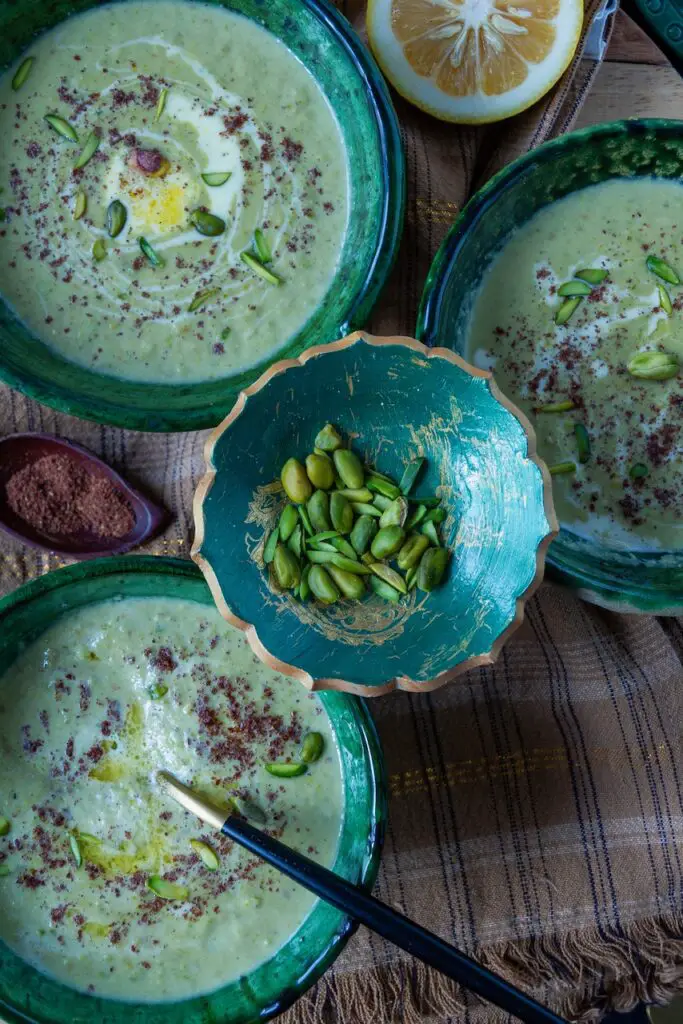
<point>624,484</point>
<point>174,91</point>
<point>88,713</point>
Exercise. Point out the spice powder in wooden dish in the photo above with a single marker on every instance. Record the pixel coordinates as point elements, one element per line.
<point>59,496</point>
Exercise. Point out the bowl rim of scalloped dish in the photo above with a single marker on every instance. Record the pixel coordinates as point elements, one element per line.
<point>250,630</point>
<point>321,935</point>
<point>185,406</point>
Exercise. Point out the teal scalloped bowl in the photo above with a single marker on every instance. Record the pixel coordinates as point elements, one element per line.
<point>625,581</point>
<point>26,995</point>
<point>397,400</point>
<point>327,45</point>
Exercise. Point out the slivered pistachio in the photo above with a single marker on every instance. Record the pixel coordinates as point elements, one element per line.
<point>654,365</point>
<point>380,502</point>
<point>328,439</point>
<point>355,493</point>
<point>166,890</point>
<point>304,586</point>
<point>303,515</point>
<point>411,578</point>
<point>593,275</point>
<point>157,691</point>
<point>207,223</point>
<point>149,253</point>
<point>390,576</point>
<point>288,520</point>
<point>201,298</point>
<point>428,529</point>
<point>325,535</point>
<point>320,471</point>
<point>286,567</point>
<point>80,204</point>
<point>638,471</point>
<point>665,300</point>
<point>312,747</point>
<point>216,178</point>
<point>22,73</point>
<point>572,288</point>
<point>381,486</point>
<point>286,769</point>
<point>410,475</point>
<point>582,442</point>
<point>75,850</point>
<point>388,541</point>
<point>5,826</point>
<point>161,104</point>
<point>259,268</point>
<point>62,127</point>
<point>92,144</point>
<point>436,515</point>
<point>432,567</point>
<point>396,514</point>
<point>322,586</point>
<point>270,545</point>
<point>567,310</point>
<point>4,871</point>
<point>350,584</point>
<point>262,248</point>
<point>318,509</point>
<point>416,517</point>
<point>296,541</point>
<point>565,406</point>
<point>361,508</point>
<point>384,590</point>
<point>343,547</point>
<point>117,215</point>
<point>412,551</point>
<point>431,502</point>
<point>364,529</point>
<point>295,481</point>
<point>341,561</point>
<point>561,468</point>
<point>99,249</point>
<point>225,333</point>
<point>349,467</point>
<point>662,269</point>
<point>341,513</point>
<point>251,810</point>
<point>206,853</point>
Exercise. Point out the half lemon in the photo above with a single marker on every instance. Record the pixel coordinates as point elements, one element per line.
<point>474,61</point>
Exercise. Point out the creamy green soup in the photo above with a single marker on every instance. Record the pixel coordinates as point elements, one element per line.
<point>88,714</point>
<point>617,440</point>
<point>173,90</point>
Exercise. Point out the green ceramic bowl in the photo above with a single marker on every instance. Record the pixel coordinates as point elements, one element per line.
<point>397,400</point>
<point>29,996</point>
<point>326,44</point>
<point>624,581</point>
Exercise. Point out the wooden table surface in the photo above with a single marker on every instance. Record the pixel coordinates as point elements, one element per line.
<point>635,80</point>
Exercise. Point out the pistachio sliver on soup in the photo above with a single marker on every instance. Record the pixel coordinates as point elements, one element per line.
<point>580,318</point>
<point>158,150</point>
<point>106,883</point>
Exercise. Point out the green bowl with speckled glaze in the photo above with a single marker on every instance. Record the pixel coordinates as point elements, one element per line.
<point>646,582</point>
<point>26,995</point>
<point>327,45</point>
<point>396,400</point>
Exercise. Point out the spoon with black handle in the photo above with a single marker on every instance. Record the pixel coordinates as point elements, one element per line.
<point>358,904</point>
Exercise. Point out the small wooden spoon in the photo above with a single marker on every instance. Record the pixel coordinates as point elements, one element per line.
<point>20,450</point>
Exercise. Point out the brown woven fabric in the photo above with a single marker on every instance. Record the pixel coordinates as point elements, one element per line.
<point>536,809</point>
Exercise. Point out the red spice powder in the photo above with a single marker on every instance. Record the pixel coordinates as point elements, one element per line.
<point>61,497</point>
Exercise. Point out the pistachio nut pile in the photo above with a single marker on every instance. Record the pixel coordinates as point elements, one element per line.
<point>347,527</point>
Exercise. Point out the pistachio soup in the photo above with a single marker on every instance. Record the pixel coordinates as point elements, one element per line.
<point>174,191</point>
<point>580,318</point>
<point>105,882</point>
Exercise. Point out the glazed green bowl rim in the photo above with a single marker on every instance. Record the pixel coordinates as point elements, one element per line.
<point>203,414</point>
<point>400,681</point>
<point>367,869</point>
<point>445,263</point>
